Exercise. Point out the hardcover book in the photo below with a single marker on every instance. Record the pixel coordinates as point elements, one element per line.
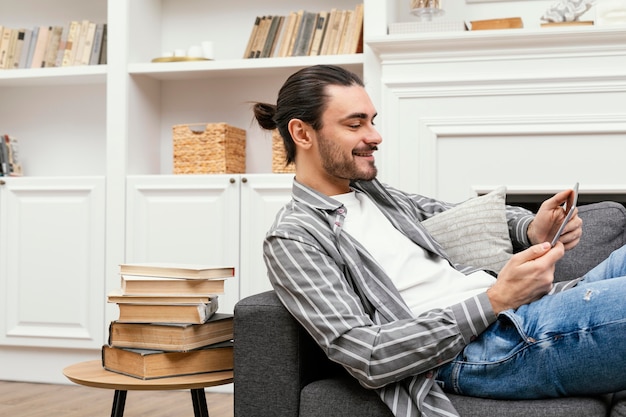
<point>173,270</point>
<point>149,285</point>
<point>193,313</point>
<point>179,337</point>
<point>150,364</point>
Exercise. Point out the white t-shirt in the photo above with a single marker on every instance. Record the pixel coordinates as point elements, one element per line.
<point>425,281</point>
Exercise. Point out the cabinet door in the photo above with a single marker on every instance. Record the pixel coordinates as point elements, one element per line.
<point>185,219</point>
<point>262,196</point>
<point>52,261</point>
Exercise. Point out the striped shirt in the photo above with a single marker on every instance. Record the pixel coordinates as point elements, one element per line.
<point>341,296</point>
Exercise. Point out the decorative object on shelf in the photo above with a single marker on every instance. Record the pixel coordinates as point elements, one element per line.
<point>426,9</point>
<point>201,52</point>
<point>566,11</point>
<point>491,24</point>
<point>279,155</point>
<point>214,148</point>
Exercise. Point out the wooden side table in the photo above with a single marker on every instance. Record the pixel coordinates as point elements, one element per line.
<point>92,374</point>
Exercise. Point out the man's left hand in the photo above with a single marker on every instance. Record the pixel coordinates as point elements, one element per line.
<point>549,218</point>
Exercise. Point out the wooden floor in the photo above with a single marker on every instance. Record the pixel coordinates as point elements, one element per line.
<point>21,399</point>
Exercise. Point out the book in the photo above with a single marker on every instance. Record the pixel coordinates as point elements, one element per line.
<point>285,36</point>
<point>192,313</point>
<point>17,37</point>
<point>31,47</point>
<point>88,45</point>
<point>353,41</point>
<point>175,270</point>
<point>5,40</point>
<point>117,296</point>
<point>331,31</point>
<point>52,46</point>
<point>252,38</point>
<point>272,36</point>
<point>294,32</point>
<point>37,60</point>
<point>70,43</point>
<point>302,44</point>
<point>28,33</point>
<point>150,364</point>
<point>179,337</point>
<point>145,285</point>
<point>79,44</point>
<point>15,167</point>
<point>103,47</point>
<point>94,57</point>
<point>318,34</point>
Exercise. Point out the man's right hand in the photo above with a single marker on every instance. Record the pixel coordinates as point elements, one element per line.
<point>527,277</point>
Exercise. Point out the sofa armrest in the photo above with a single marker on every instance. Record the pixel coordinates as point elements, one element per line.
<point>274,358</point>
<point>604,230</point>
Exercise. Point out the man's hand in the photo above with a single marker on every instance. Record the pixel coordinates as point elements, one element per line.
<point>527,277</point>
<point>550,216</point>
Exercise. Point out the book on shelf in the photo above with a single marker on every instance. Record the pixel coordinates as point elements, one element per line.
<point>302,43</point>
<point>306,33</point>
<point>151,364</point>
<point>87,47</point>
<point>5,40</point>
<point>70,43</point>
<point>15,45</point>
<point>40,46</point>
<point>52,46</point>
<point>318,34</point>
<point>102,59</point>
<point>191,313</point>
<point>31,47</point>
<point>94,57</point>
<point>9,156</point>
<point>78,48</point>
<point>177,270</point>
<point>144,285</point>
<point>23,57</point>
<point>178,337</point>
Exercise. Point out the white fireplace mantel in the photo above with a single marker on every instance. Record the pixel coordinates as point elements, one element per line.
<point>532,109</point>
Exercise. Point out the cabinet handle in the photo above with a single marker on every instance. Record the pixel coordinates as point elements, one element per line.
<point>232,180</point>
<point>244,180</point>
<point>2,182</point>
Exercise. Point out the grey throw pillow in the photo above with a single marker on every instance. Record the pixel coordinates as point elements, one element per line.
<point>475,232</point>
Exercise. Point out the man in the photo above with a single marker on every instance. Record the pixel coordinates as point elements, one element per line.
<point>350,260</point>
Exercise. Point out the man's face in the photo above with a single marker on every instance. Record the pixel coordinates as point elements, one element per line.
<point>348,139</point>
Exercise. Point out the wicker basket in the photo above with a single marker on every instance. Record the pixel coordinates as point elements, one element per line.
<point>216,148</point>
<point>279,155</point>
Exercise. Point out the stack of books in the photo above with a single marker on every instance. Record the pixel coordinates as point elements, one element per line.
<point>168,323</point>
<point>80,42</point>
<point>305,33</point>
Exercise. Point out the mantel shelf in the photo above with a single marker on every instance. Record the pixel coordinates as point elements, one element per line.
<point>552,40</point>
<point>239,67</point>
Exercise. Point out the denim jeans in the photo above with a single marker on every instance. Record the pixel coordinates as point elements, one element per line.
<point>565,344</point>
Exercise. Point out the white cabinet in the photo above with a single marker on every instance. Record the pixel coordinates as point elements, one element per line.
<point>214,219</point>
<point>51,269</point>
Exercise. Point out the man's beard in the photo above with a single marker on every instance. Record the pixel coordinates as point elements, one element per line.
<point>338,164</point>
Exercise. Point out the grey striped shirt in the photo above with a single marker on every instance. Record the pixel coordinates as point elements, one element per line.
<point>337,291</point>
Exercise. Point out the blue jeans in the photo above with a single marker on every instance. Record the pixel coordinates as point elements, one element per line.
<point>566,344</point>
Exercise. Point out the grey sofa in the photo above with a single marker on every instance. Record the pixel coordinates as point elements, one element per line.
<point>280,372</point>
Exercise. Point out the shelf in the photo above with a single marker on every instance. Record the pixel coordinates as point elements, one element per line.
<point>240,67</point>
<point>88,74</point>
<point>608,39</point>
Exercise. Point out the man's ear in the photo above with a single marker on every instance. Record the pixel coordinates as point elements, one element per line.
<point>301,133</point>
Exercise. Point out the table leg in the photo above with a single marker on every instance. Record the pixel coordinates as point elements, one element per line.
<point>119,400</point>
<point>198,397</point>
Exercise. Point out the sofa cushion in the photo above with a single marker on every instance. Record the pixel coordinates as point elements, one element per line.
<point>344,397</point>
<point>475,232</point>
<point>604,230</point>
